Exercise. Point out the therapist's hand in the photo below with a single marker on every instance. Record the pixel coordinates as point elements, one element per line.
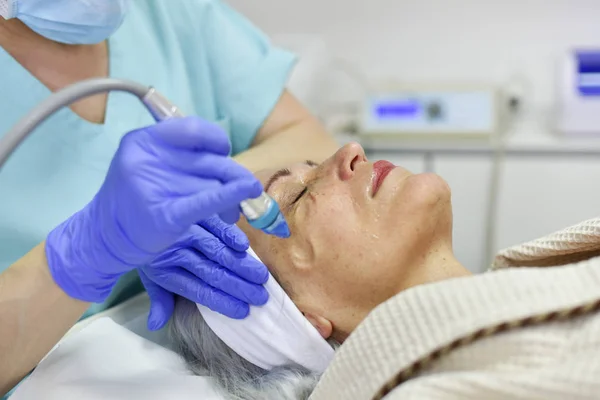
<point>162,180</point>
<point>208,265</point>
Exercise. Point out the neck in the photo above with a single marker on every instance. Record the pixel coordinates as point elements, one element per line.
<point>438,264</point>
<point>18,40</point>
<point>57,65</point>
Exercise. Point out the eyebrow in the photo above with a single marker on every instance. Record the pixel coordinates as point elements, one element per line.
<point>285,172</point>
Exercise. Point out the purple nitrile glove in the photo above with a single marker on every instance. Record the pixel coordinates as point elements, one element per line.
<point>208,265</point>
<point>162,180</point>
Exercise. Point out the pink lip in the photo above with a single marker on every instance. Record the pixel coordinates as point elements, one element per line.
<point>381,169</point>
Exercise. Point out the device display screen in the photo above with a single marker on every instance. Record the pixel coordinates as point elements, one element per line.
<point>397,109</point>
<point>588,69</point>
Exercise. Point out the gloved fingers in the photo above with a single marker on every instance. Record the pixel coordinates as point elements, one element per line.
<point>209,166</point>
<point>231,235</point>
<point>186,284</point>
<point>221,278</point>
<point>162,303</point>
<point>240,263</point>
<point>189,209</point>
<point>191,133</point>
<point>230,216</point>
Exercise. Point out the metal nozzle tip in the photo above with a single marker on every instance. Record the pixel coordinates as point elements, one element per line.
<point>280,229</point>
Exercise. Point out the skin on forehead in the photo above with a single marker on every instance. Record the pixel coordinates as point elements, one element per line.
<point>271,178</point>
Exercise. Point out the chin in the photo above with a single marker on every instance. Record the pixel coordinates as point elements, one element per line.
<point>436,201</point>
<point>424,209</point>
<point>429,190</point>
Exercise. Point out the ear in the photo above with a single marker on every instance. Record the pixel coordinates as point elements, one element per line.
<point>323,325</point>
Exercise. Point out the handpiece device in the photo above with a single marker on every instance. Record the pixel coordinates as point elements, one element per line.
<point>262,212</point>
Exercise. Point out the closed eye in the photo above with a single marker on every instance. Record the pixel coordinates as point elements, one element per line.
<point>305,190</point>
<point>302,193</point>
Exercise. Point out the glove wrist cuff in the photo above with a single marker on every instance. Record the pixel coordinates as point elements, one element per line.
<point>79,262</point>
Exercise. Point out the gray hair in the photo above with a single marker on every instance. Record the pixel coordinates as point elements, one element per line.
<point>238,379</point>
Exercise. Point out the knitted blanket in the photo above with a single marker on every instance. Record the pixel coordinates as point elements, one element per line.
<point>527,329</point>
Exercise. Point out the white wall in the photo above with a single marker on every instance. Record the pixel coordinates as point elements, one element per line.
<point>488,41</point>
<point>484,40</point>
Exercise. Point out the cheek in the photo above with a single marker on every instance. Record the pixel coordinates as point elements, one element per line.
<point>269,249</point>
<point>418,215</point>
<point>349,262</point>
<point>420,204</point>
<point>336,230</point>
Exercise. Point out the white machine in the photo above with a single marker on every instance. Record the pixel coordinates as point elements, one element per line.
<point>439,112</point>
<point>579,93</point>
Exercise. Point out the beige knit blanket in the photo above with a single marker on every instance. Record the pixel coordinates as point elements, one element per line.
<point>522,331</point>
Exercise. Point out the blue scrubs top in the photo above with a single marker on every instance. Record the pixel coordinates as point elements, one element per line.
<point>200,54</point>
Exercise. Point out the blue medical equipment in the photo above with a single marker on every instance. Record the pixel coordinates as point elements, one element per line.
<point>424,112</point>
<point>262,212</point>
<point>578,99</point>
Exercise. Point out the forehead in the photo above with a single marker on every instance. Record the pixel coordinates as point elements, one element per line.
<point>265,174</point>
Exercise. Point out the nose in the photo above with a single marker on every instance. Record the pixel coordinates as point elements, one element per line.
<point>348,158</point>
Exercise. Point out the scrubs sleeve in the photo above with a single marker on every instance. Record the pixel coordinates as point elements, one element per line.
<point>248,73</point>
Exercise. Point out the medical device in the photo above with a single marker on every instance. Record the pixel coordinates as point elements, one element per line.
<point>579,93</point>
<point>421,112</point>
<point>262,212</point>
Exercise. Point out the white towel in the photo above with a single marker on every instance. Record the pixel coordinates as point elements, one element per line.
<point>276,334</point>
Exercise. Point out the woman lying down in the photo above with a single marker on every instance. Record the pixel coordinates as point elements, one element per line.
<point>365,235</point>
<point>361,233</point>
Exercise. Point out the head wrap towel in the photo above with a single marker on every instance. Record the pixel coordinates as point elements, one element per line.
<point>273,335</point>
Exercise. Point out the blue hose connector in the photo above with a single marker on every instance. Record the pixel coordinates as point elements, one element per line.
<point>267,217</point>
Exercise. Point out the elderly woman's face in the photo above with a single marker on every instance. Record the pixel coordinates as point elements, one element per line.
<point>357,228</point>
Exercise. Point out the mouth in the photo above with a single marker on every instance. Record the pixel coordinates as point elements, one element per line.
<point>381,169</point>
